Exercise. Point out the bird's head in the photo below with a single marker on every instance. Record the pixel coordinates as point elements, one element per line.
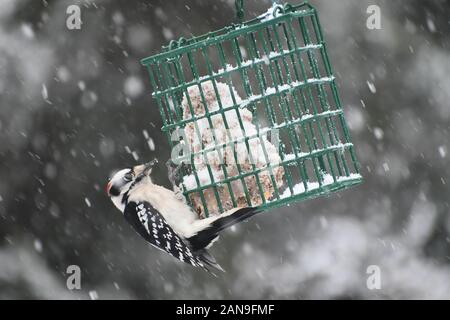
<point>124,179</point>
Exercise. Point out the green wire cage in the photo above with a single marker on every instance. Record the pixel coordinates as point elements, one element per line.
<point>253,114</point>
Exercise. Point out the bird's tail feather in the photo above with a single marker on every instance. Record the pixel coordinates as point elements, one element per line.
<point>238,216</point>
<point>209,260</point>
<point>204,237</point>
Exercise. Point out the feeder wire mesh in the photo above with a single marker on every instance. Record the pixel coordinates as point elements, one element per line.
<point>290,113</point>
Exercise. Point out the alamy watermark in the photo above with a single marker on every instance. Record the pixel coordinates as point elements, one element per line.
<point>373,22</point>
<point>73,281</point>
<point>73,21</point>
<point>221,144</point>
<point>374,279</point>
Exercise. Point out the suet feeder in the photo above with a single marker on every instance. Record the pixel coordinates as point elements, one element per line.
<point>261,86</point>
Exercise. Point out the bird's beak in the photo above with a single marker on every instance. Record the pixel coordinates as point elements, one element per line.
<point>149,166</point>
<point>145,169</point>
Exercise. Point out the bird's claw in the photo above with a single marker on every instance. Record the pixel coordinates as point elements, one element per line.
<point>172,171</point>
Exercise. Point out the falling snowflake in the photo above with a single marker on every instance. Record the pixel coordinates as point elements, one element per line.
<point>27,30</point>
<point>430,24</point>
<point>372,87</point>
<point>133,87</point>
<point>378,133</point>
<point>81,85</point>
<point>93,295</point>
<point>442,151</point>
<point>44,92</point>
<point>37,245</point>
<point>167,33</point>
<point>151,144</point>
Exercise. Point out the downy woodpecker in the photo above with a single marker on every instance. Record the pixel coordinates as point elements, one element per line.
<point>167,223</point>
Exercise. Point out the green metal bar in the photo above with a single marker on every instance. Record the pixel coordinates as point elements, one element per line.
<point>321,93</point>
<point>334,88</point>
<point>247,89</point>
<point>288,162</point>
<point>316,73</point>
<point>229,81</point>
<point>270,106</point>
<point>254,99</point>
<point>314,193</point>
<point>293,10</point>
<point>211,176</point>
<point>294,138</point>
<point>263,86</point>
<point>294,123</point>
<point>166,110</point>
<point>171,81</point>
<point>234,69</point>
<point>333,135</point>
<point>297,106</point>
<point>179,70</point>
<point>160,105</point>
<point>227,127</point>
<point>308,135</point>
<point>223,35</point>
<point>286,35</point>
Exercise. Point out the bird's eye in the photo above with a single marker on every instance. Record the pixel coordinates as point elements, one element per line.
<point>128,176</point>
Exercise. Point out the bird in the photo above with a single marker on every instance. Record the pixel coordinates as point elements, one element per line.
<point>166,222</point>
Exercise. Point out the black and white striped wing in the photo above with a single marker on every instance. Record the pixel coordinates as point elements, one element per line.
<point>152,226</point>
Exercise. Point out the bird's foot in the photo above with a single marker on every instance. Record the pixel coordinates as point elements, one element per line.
<point>172,171</point>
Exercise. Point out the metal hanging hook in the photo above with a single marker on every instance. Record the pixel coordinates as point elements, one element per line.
<point>239,4</point>
<point>239,9</point>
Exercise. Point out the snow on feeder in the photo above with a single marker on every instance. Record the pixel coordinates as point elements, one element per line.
<point>256,110</point>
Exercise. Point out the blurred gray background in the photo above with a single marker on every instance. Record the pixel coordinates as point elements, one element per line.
<point>73,108</point>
